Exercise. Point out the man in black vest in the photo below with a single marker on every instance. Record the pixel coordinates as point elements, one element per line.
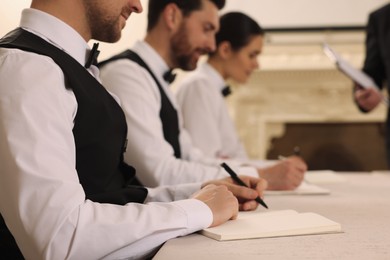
<point>377,65</point>
<point>178,33</point>
<point>65,191</point>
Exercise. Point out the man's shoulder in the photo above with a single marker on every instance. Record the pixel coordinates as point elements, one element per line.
<point>122,67</point>
<point>197,86</point>
<point>119,60</point>
<point>16,59</point>
<point>195,79</point>
<point>383,11</point>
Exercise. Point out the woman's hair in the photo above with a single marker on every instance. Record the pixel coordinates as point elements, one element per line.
<point>237,29</point>
<point>156,7</point>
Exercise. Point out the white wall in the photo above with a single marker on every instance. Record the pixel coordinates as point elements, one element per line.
<point>269,13</point>
<point>306,13</point>
<point>135,28</point>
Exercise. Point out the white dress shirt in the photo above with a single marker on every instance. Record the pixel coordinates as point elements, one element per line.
<point>147,150</point>
<point>206,118</point>
<point>205,114</point>
<point>41,199</point>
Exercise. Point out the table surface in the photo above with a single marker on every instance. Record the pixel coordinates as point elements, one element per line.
<point>361,205</point>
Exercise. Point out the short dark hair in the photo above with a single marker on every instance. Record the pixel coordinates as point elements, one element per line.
<point>237,29</point>
<point>186,6</point>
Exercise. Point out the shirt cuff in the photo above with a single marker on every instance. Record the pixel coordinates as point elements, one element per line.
<point>261,164</point>
<point>184,191</point>
<point>248,171</point>
<point>172,193</point>
<point>241,169</point>
<point>199,215</point>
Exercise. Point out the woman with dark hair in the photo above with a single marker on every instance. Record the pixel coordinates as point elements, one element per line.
<point>239,42</point>
<point>201,98</point>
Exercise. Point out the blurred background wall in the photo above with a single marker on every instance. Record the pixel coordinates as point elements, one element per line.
<point>298,98</point>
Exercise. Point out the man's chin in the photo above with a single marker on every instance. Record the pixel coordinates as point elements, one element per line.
<point>109,38</point>
<point>186,63</point>
<point>190,68</point>
<point>191,65</point>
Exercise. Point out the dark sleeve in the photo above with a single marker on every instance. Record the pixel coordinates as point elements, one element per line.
<point>373,64</point>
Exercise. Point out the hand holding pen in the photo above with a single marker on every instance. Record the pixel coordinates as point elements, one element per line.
<point>289,173</point>
<point>236,179</point>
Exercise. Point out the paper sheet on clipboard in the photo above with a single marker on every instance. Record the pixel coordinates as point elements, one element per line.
<point>356,75</point>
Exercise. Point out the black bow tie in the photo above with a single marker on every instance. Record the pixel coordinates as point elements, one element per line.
<point>226,91</point>
<point>169,76</point>
<point>93,55</point>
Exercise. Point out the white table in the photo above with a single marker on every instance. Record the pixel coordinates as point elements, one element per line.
<point>361,205</point>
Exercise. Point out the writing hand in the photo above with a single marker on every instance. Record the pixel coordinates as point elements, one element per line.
<point>287,174</point>
<point>222,203</point>
<point>246,195</point>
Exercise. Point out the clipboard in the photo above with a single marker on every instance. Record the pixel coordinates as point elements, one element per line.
<point>358,76</point>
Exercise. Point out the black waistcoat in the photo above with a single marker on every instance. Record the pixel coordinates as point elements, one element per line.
<point>168,113</point>
<point>99,129</point>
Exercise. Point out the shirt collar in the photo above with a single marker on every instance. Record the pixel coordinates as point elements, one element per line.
<point>152,58</point>
<point>56,32</point>
<point>216,78</point>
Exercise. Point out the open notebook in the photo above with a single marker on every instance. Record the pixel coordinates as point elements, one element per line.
<point>310,185</point>
<point>324,177</point>
<point>304,189</point>
<point>258,224</point>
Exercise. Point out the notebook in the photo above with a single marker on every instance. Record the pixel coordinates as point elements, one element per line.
<point>260,224</point>
<point>323,177</point>
<point>305,188</point>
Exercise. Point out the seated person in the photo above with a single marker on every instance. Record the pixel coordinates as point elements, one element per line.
<point>65,191</point>
<point>178,34</point>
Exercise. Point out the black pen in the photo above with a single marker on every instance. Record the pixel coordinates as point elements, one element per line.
<point>297,151</point>
<point>240,182</point>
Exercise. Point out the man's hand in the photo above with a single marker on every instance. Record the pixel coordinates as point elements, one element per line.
<point>220,200</point>
<point>367,99</point>
<point>287,174</point>
<point>246,195</point>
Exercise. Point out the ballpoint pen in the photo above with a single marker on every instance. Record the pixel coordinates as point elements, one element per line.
<point>297,151</point>
<point>240,182</point>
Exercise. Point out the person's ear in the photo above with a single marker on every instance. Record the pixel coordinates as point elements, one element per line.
<point>172,16</point>
<point>224,50</point>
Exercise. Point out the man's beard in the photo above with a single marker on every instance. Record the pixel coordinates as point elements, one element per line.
<point>106,32</point>
<point>182,53</point>
<point>103,27</point>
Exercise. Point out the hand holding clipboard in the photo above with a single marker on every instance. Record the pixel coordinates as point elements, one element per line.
<point>358,76</point>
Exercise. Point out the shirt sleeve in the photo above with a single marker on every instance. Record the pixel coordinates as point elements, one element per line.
<point>172,193</point>
<point>41,199</point>
<point>148,151</point>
